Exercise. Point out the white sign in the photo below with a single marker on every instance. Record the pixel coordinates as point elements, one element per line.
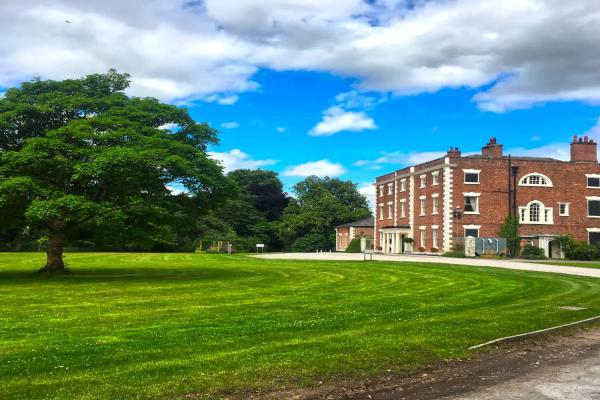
<point>260,246</point>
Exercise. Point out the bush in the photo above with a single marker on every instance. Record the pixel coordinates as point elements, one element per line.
<point>311,243</point>
<point>578,250</point>
<point>530,252</point>
<point>422,249</point>
<point>354,246</point>
<point>434,250</point>
<point>455,254</point>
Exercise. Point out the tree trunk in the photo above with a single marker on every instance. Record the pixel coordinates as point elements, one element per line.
<point>54,255</point>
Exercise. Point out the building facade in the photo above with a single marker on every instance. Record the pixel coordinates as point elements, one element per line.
<point>344,233</point>
<point>438,203</point>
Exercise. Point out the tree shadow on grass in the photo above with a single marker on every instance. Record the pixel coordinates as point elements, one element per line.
<point>138,275</point>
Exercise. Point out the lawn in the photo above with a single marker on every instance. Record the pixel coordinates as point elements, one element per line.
<point>567,263</point>
<point>167,325</point>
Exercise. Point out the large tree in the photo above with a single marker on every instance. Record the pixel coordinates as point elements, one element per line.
<point>80,152</point>
<point>319,205</point>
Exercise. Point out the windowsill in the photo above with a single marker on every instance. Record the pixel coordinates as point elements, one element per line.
<point>475,213</point>
<point>593,216</point>
<point>423,215</point>
<point>435,213</point>
<point>538,223</point>
<point>564,215</point>
<point>471,183</point>
<point>592,187</point>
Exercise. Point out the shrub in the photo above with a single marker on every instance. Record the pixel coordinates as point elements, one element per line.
<point>532,253</point>
<point>311,243</point>
<point>578,250</point>
<point>434,249</point>
<point>354,246</point>
<point>422,249</point>
<point>455,254</point>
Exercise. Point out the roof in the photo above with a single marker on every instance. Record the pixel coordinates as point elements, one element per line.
<point>365,222</point>
<point>517,158</point>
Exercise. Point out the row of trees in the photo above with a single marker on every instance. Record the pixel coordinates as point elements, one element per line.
<point>83,164</point>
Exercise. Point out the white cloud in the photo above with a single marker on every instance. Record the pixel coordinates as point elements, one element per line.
<point>222,99</point>
<point>399,158</point>
<point>336,119</point>
<point>368,190</point>
<point>190,51</point>
<point>237,159</point>
<point>280,129</point>
<point>176,190</point>
<point>230,125</point>
<point>319,168</point>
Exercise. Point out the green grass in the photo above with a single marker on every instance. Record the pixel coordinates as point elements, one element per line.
<point>166,325</point>
<point>567,263</point>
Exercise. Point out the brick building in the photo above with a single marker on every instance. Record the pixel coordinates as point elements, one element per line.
<point>439,202</point>
<point>346,232</point>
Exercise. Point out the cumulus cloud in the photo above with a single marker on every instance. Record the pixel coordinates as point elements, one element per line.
<point>336,119</point>
<point>368,190</point>
<point>230,125</point>
<point>280,129</point>
<point>237,159</point>
<point>319,168</point>
<point>510,52</point>
<point>400,158</point>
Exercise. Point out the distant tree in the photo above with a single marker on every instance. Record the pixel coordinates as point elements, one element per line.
<point>510,231</point>
<point>319,205</point>
<point>263,190</point>
<point>79,152</point>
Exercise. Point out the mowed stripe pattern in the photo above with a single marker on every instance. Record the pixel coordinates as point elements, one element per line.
<point>167,325</point>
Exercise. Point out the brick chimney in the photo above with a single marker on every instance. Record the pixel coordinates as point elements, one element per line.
<point>454,152</point>
<point>583,149</point>
<point>492,149</point>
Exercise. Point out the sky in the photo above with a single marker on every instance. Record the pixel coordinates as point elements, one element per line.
<point>343,88</point>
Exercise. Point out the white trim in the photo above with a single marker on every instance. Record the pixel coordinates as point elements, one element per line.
<point>471,194</point>
<point>422,197</point>
<point>471,171</point>
<point>447,207</point>
<point>402,200</point>
<point>525,215</point>
<point>592,229</point>
<point>592,197</point>
<point>472,226</point>
<point>435,226</point>
<point>411,203</point>
<point>567,209</point>
<point>593,176</point>
<point>548,180</point>
<point>435,195</point>
<point>435,172</point>
<point>422,227</point>
<point>390,203</point>
<point>587,176</point>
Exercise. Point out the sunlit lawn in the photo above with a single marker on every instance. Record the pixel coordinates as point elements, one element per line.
<point>166,325</point>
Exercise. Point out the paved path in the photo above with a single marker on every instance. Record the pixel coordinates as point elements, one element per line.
<point>574,379</point>
<point>479,262</point>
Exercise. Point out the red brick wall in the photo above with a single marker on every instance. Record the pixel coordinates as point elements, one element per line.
<point>428,219</point>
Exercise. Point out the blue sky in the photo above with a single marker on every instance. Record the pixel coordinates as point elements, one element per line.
<point>348,88</point>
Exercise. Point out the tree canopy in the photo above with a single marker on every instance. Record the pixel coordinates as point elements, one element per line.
<point>318,206</point>
<point>81,152</point>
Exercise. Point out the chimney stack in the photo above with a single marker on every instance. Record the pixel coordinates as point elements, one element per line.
<point>454,152</point>
<point>492,149</point>
<point>583,150</point>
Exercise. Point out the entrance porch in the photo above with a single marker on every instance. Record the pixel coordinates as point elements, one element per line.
<point>392,240</point>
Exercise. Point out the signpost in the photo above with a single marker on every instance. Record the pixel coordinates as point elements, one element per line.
<point>260,246</point>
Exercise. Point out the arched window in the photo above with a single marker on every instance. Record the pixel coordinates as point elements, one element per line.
<point>536,213</point>
<point>535,179</point>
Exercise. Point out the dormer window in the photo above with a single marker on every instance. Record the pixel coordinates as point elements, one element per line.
<point>535,179</point>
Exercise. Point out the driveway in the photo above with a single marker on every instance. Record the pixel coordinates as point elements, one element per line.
<point>478,262</point>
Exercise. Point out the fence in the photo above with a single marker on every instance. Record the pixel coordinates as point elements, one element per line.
<point>484,246</point>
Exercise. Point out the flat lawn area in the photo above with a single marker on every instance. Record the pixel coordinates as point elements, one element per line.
<point>584,264</point>
<point>166,325</point>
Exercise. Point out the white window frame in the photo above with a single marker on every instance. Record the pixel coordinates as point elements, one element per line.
<point>566,213</point>
<point>434,236</point>
<point>546,216</point>
<point>524,178</point>
<point>435,204</point>
<point>587,176</point>
<point>422,205</point>
<point>471,227</point>
<point>435,178</point>
<point>390,210</point>
<point>423,182</point>
<point>423,237</point>
<point>471,194</point>
<point>403,185</point>
<point>591,198</point>
<point>471,171</point>
<point>390,189</point>
<point>403,208</point>
<point>381,211</point>
<point>591,230</point>
<point>381,189</point>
